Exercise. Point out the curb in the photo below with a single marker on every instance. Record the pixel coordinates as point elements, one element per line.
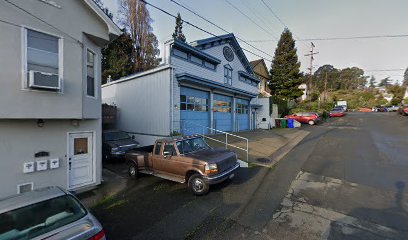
<point>280,153</point>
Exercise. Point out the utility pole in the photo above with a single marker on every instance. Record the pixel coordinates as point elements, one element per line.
<point>311,54</point>
<point>325,88</point>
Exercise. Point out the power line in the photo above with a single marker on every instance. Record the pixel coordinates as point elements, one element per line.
<point>212,23</point>
<point>258,16</point>
<point>341,38</point>
<point>250,19</point>
<point>386,70</point>
<point>27,12</point>
<point>195,26</point>
<point>279,19</point>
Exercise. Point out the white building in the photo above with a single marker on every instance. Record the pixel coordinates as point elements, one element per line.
<point>303,87</point>
<point>50,99</point>
<point>208,84</point>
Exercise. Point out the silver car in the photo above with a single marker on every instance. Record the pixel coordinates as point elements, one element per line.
<point>50,213</point>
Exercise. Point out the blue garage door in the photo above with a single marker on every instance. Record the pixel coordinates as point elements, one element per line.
<point>194,111</point>
<point>222,112</point>
<point>242,114</point>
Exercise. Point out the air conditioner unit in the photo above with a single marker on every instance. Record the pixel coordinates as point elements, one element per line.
<point>43,80</point>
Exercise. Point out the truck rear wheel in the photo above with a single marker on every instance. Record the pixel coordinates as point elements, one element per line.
<point>132,170</point>
<point>197,185</point>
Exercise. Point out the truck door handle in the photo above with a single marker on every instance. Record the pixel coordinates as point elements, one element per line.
<point>69,165</point>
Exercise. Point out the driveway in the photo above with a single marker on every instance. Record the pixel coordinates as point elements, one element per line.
<point>345,180</point>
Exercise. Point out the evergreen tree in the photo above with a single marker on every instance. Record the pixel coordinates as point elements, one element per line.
<point>117,59</point>
<point>372,82</point>
<point>178,33</point>
<point>285,73</point>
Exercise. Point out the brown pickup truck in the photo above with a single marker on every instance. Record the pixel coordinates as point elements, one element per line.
<point>186,160</point>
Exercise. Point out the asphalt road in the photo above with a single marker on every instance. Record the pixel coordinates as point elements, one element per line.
<point>345,180</point>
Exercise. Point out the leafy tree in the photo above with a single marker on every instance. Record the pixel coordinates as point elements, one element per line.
<point>398,92</point>
<point>386,82</point>
<point>285,73</point>
<point>326,77</point>
<point>178,33</point>
<point>372,82</point>
<point>405,82</point>
<point>352,78</point>
<point>136,18</point>
<point>117,59</point>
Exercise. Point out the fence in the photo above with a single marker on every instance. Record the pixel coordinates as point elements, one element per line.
<point>231,140</point>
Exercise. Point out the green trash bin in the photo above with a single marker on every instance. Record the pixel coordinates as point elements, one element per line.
<point>284,123</point>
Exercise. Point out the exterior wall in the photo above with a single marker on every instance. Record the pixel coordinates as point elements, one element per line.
<point>406,93</point>
<point>74,18</point>
<point>217,75</point>
<point>304,88</point>
<point>263,119</point>
<point>262,74</point>
<point>144,104</point>
<point>16,148</point>
<point>182,66</point>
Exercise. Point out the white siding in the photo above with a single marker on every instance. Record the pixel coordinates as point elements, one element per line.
<point>183,66</point>
<point>143,103</point>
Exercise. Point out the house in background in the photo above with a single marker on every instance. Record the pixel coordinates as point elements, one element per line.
<point>406,93</point>
<point>205,85</point>
<point>304,88</point>
<point>261,104</point>
<point>50,99</point>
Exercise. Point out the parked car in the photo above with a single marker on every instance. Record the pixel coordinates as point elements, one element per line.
<point>48,213</point>
<point>341,107</point>
<point>116,143</point>
<point>336,112</point>
<point>185,160</point>
<point>364,109</point>
<point>310,118</point>
<point>403,110</point>
<point>392,108</point>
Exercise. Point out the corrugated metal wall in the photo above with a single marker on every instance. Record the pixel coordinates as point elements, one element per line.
<point>143,103</point>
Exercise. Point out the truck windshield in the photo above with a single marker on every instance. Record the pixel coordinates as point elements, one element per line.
<point>114,136</point>
<point>191,145</point>
<point>40,218</point>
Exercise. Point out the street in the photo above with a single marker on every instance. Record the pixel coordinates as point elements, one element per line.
<point>346,180</point>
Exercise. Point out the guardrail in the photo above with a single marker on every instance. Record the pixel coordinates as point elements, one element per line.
<point>207,132</point>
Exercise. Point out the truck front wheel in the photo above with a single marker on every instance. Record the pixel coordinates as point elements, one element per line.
<point>132,170</point>
<point>197,185</point>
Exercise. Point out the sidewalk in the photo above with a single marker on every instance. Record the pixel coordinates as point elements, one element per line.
<point>266,147</point>
<point>112,184</point>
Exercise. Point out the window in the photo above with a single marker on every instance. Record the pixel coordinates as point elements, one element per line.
<point>80,146</point>
<point>209,65</point>
<point>242,108</point>
<point>193,104</point>
<point>34,220</point>
<point>222,106</point>
<point>195,59</point>
<point>191,145</point>
<point>228,74</point>
<point>179,53</point>
<point>90,74</point>
<point>169,150</point>
<point>157,149</point>
<point>43,55</point>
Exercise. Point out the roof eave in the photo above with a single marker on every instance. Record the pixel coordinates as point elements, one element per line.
<point>114,30</point>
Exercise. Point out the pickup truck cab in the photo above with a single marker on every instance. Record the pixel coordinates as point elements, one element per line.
<point>185,160</point>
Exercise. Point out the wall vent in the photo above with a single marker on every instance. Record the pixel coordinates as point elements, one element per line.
<point>25,187</point>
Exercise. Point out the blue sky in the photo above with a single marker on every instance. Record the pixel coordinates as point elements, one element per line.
<point>307,19</point>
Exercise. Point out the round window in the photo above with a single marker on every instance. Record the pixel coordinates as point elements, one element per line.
<point>228,54</point>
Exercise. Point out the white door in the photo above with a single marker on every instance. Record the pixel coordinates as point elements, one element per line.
<point>80,160</point>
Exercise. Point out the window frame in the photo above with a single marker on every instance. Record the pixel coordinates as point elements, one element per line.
<point>94,70</point>
<point>24,60</point>
<point>228,74</point>
<point>194,103</point>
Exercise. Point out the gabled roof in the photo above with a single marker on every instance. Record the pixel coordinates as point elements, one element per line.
<point>113,29</point>
<point>186,47</point>
<point>256,63</point>
<point>227,38</point>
